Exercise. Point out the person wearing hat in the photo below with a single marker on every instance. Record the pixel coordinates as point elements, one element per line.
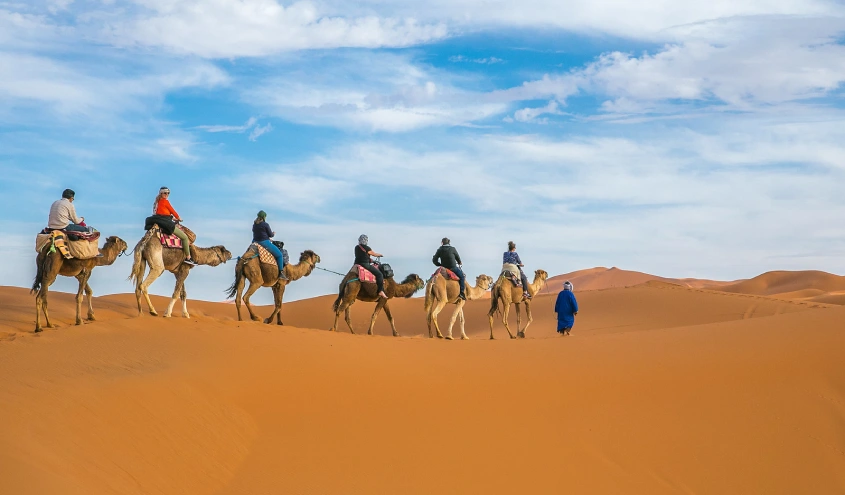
<point>448,257</point>
<point>162,206</point>
<point>261,234</point>
<point>566,308</point>
<point>63,214</point>
<point>362,257</point>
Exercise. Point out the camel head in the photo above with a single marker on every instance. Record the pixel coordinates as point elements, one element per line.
<point>119,243</point>
<point>541,275</point>
<point>484,282</point>
<point>310,258</point>
<point>419,283</point>
<point>222,254</point>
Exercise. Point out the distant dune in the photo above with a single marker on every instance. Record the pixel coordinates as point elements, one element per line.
<point>809,285</point>
<point>660,389</point>
<point>606,278</point>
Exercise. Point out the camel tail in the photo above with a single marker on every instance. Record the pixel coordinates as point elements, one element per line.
<point>429,296</point>
<point>43,267</point>
<point>232,291</point>
<point>137,273</point>
<point>494,301</point>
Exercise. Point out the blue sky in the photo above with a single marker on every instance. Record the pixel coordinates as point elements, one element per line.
<point>686,139</point>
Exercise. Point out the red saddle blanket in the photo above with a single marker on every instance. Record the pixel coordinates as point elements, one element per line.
<point>447,273</point>
<point>364,275</point>
<point>170,241</point>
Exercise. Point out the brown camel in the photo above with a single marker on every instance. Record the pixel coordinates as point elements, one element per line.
<point>511,294</point>
<point>149,251</point>
<point>51,265</point>
<point>351,289</point>
<point>266,275</point>
<point>439,292</point>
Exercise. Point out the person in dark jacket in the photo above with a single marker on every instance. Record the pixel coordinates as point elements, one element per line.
<point>261,234</point>
<point>448,257</point>
<point>566,308</point>
<point>362,257</point>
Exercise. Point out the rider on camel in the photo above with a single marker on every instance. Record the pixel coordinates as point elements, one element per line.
<point>362,257</point>
<point>261,234</point>
<point>161,206</point>
<point>63,214</point>
<point>510,257</point>
<point>448,257</point>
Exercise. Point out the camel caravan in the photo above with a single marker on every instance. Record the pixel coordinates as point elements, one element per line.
<point>68,247</point>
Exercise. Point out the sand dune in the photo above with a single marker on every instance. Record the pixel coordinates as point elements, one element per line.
<point>660,389</point>
<point>815,286</point>
<point>607,278</point>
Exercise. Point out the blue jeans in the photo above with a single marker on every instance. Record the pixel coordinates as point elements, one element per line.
<point>462,279</point>
<point>276,252</point>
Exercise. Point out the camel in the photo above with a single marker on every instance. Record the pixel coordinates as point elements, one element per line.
<point>439,291</point>
<point>266,275</point>
<point>51,265</point>
<point>149,251</point>
<point>510,294</point>
<point>351,289</point>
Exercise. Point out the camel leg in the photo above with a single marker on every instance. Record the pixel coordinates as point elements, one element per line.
<point>518,318</point>
<point>181,275</point>
<point>390,319</point>
<point>41,306</point>
<point>348,317</point>
<point>184,297</point>
<point>438,307</point>
<point>277,305</point>
<point>282,288</point>
<point>458,310</point>
<point>461,320</point>
<point>249,292</point>
<point>82,278</point>
<point>530,319</point>
<point>505,312</point>
<point>155,272</point>
<point>376,311</point>
<point>89,294</point>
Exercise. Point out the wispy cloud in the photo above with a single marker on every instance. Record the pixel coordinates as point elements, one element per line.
<point>482,60</point>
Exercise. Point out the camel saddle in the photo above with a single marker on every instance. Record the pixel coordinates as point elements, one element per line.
<point>173,241</point>
<point>447,273</point>
<point>364,275</point>
<point>68,249</point>
<point>516,281</point>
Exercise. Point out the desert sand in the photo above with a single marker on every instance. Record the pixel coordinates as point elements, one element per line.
<point>661,388</point>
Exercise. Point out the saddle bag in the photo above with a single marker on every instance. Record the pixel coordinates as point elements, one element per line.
<point>164,222</point>
<point>386,270</point>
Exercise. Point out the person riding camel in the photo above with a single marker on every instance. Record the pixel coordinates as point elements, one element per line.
<point>448,257</point>
<point>362,257</point>
<point>63,214</point>
<point>161,206</point>
<point>512,263</point>
<point>261,234</point>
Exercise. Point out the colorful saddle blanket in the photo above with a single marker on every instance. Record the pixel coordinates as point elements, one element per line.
<point>172,240</point>
<point>264,256</point>
<point>364,275</point>
<point>73,235</point>
<point>447,273</point>
<point>516,281</point>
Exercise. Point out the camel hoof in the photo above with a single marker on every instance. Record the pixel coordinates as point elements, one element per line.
<point>513,337</point>
<point>38,330</point>
<point>464,337</point>
<point>492,338</point>
<point>396,335</point>
<point>166,316</point>
<point>279,323</point>
<point>449,338</point>
<point>267,321</point>
<point>153,313</point>
<point>91,318</point>
<point>439,336</point>
<point>521,335</point>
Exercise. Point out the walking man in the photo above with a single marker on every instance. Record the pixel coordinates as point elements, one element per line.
<point>566,308</point>
<point>448,257</point>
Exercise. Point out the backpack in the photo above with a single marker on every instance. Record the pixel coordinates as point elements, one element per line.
<point>386,270</point>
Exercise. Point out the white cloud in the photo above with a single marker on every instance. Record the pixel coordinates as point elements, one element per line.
<point>250,28</point>
<point>259,131</point>
<point>531,114</point>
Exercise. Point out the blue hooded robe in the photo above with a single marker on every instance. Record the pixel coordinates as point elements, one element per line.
<point>566,306</point>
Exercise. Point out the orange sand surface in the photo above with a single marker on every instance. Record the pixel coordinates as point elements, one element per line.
<point>659,389</point>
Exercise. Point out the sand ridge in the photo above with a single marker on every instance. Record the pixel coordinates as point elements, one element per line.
<point>660,389</point>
